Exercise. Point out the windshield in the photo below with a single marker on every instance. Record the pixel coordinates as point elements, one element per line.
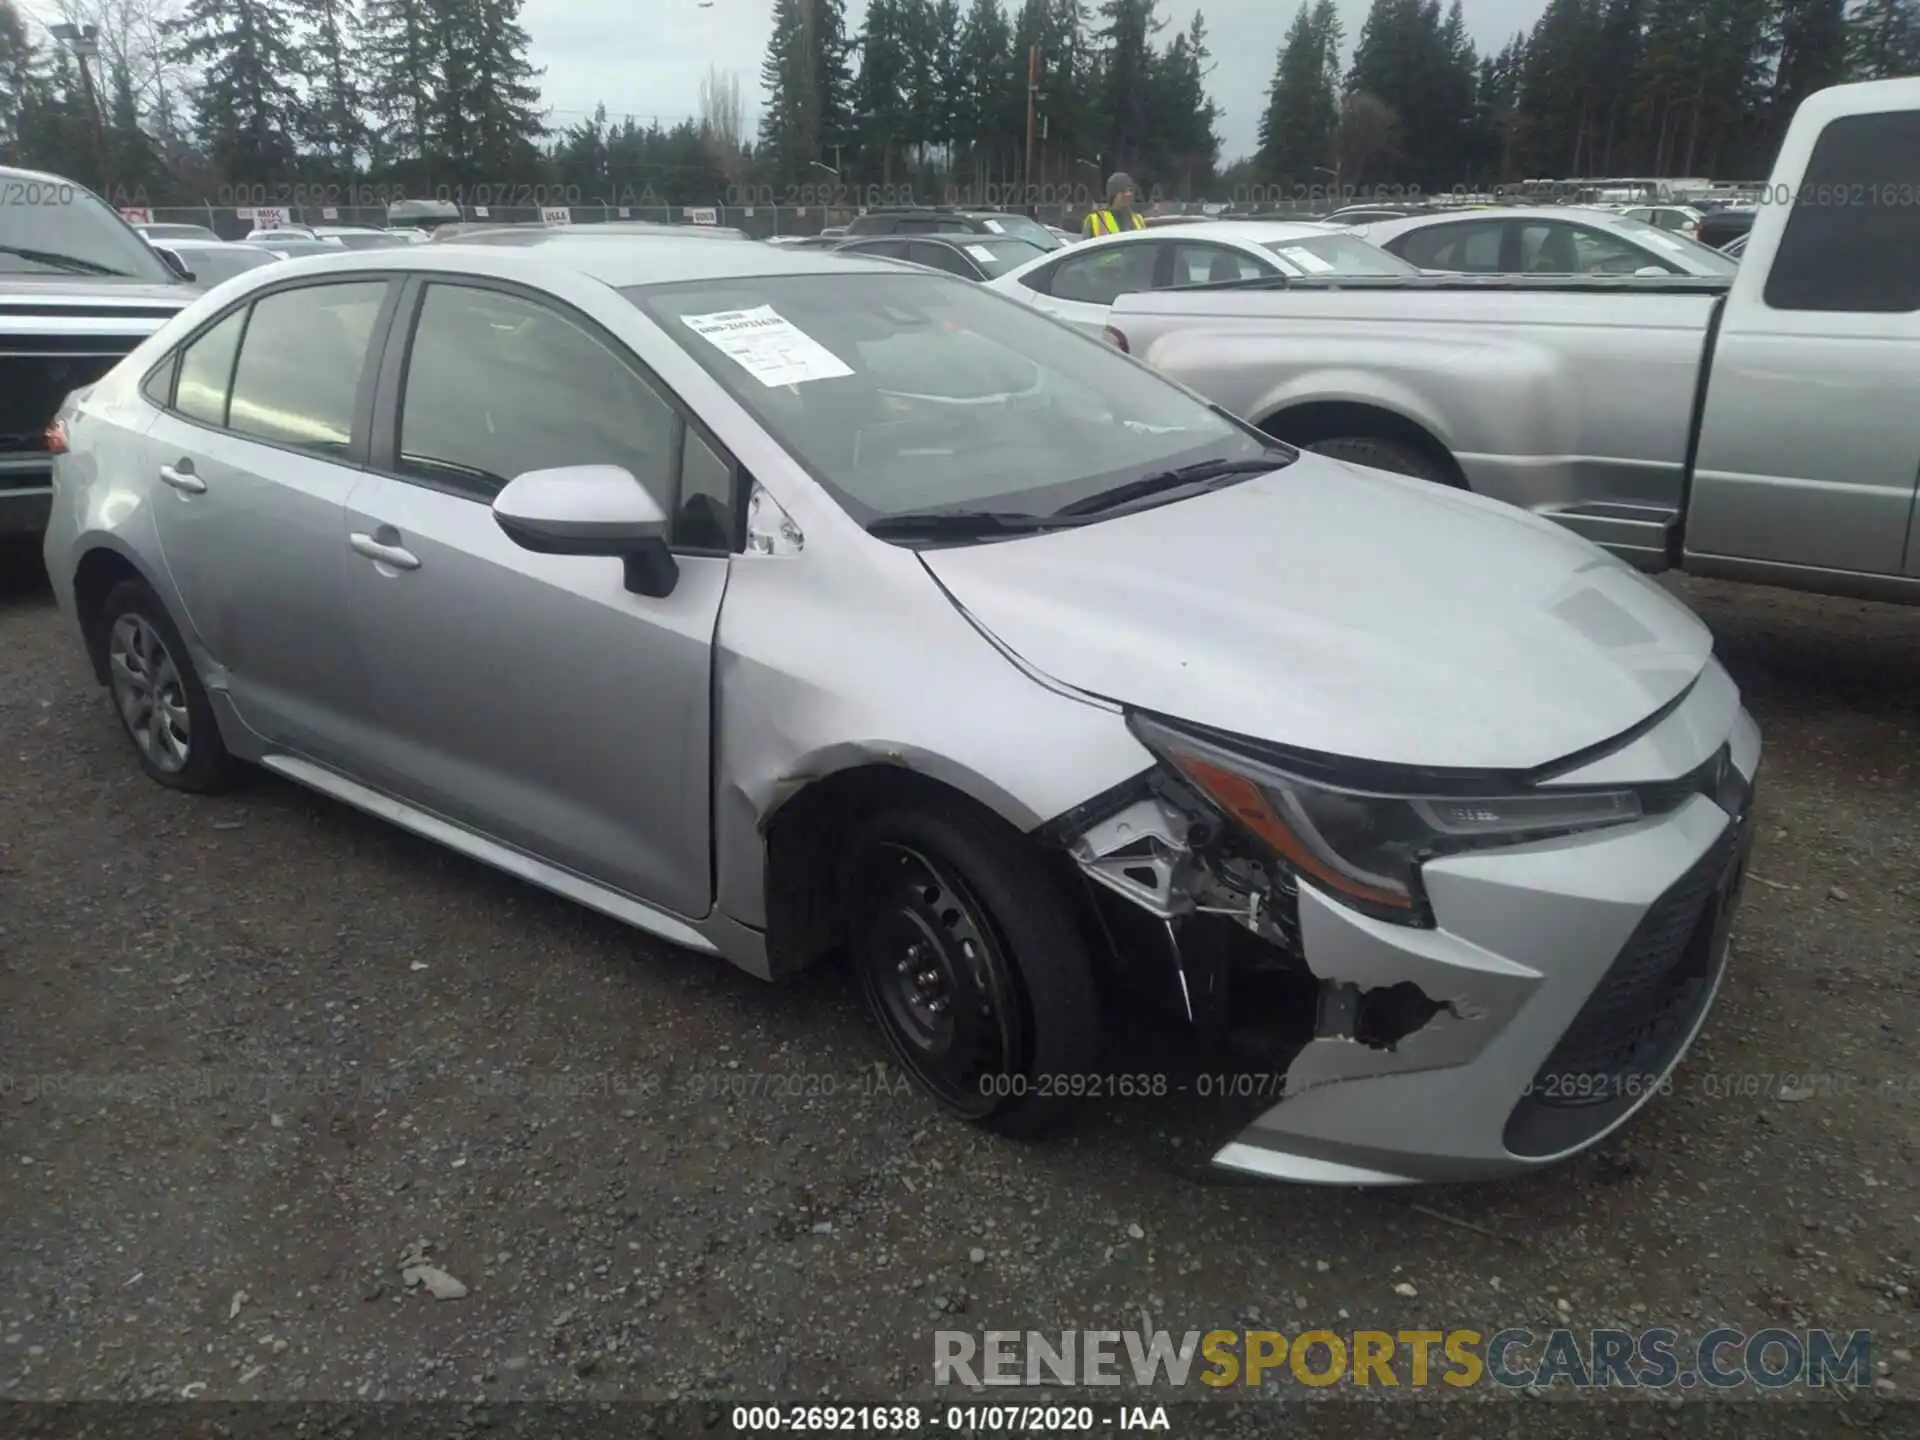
<point>54,227</point>
<point>1021,227</point>
<point>1337,255</point>
<point>1700,259</point>
<point>996,255</point>
<point>907,392</point>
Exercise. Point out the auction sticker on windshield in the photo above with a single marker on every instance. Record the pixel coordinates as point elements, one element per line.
<point>768,346</point>
<point>980,252</point>
<point>1306,259</point>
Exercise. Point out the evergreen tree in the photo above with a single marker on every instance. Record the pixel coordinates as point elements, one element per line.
<point>1811,39</point>
<point>133,161</point>
<point>19,83</point>
<point>508,121</point>
<point>808,82</point>
<point>331,123</point>
<point>1883,39</point>
<point>1303,101</point>
<point>990,92</point>
<point>1124,46</point>
<point>246,102</point>
<point>398,80</point>
<point>880,90</point>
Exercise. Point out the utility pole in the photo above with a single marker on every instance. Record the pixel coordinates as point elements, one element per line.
<point>1033,98</point>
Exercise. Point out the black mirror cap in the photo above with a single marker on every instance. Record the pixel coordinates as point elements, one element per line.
<point>651,570</point>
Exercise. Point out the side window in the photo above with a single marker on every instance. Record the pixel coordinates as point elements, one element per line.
<point>497,385</point>
<point>1197,264</point>
<point>919,225</point>
<point>1102,276</point>
<point>705,520</point>
<point>1474,246</point>
<point>1851,245</point>
<point>1595,252</point>
<point>941,258</point>
<point>206,370</point>
<point>300,362</point>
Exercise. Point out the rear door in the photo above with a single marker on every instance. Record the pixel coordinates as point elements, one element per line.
<point>533,698</point>
<point>1809,444</point>
<point>259,445</point>
<point>1480,247</point>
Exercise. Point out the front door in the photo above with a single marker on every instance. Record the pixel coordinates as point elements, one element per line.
<point>254,459</point>
<point>533,698</point>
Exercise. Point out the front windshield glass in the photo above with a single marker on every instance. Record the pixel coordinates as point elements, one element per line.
<point>996,255</point>
<point>1701,259</point>
<point>1023,228</point>
<point>908,392</point>
<point>54,227</point>
<point>1337,255</point>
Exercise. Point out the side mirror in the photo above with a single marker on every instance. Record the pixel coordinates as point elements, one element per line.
<point>591,510</point>
<point>173,262</point>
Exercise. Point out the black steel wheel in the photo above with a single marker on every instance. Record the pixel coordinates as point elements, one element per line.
<point>973,966</point>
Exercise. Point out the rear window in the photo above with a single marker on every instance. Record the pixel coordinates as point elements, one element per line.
<point>1337,255</point>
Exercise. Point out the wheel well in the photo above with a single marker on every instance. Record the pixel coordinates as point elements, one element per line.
<point>98,572</point>
<point>807,847</point>
<point>1306,425</point>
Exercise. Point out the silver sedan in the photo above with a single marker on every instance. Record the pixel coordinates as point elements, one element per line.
<point>784,604</point>
<point>1544,240</point>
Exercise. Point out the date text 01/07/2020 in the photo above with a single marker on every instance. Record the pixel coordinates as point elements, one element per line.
<point>950,1419</point>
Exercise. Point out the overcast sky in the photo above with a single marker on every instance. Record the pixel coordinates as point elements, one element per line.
<point>649,60</point>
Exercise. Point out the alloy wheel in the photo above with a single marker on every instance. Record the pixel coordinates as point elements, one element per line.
<point>150,693</point>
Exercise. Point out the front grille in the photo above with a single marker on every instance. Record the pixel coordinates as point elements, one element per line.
<point>1638,1016</point>
<point>31,389</point>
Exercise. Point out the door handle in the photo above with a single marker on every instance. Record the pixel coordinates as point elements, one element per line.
<point>394,555</point>
<point>184,481</point>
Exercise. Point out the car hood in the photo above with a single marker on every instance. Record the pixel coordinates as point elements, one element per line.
<point>1345,611</point>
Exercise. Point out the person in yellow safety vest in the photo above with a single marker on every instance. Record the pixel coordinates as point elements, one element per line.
<point>1118,214</point>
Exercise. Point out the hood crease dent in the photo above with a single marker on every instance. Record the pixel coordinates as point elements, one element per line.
<point>1340,610</point>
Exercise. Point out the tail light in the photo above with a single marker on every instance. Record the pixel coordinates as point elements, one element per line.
<point>56,437</point>
<point>1114,338</point>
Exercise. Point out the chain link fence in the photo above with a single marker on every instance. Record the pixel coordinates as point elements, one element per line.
<point>762,222</point>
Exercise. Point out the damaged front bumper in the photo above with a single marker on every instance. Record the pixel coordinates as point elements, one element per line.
<point>1559,983</point>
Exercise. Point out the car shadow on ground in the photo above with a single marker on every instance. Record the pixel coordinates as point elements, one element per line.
<point>23,579</point>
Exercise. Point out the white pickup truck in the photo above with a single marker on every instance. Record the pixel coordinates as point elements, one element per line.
<point>1763,429</point>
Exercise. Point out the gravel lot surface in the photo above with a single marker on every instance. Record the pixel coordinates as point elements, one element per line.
<point>262,1052</point>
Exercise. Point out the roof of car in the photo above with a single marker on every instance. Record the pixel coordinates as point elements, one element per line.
<point>1253,232</point>
<point>620,263</point>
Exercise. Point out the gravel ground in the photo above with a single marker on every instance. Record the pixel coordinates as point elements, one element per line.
<point>261,1051</point>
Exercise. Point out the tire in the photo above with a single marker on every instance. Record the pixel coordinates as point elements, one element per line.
<point>1391,455</point>
<point>959,897</point>
<point>162,707</point>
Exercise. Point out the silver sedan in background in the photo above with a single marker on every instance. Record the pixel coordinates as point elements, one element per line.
<point>1544,240</point>
<point>783,604</point>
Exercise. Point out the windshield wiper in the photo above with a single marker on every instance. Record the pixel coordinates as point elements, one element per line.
<point>960,524</point>
<point>1200,473</point>
<point>71,263</point>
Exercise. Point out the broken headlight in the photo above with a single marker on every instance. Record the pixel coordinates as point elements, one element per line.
<point>1366,848</point>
